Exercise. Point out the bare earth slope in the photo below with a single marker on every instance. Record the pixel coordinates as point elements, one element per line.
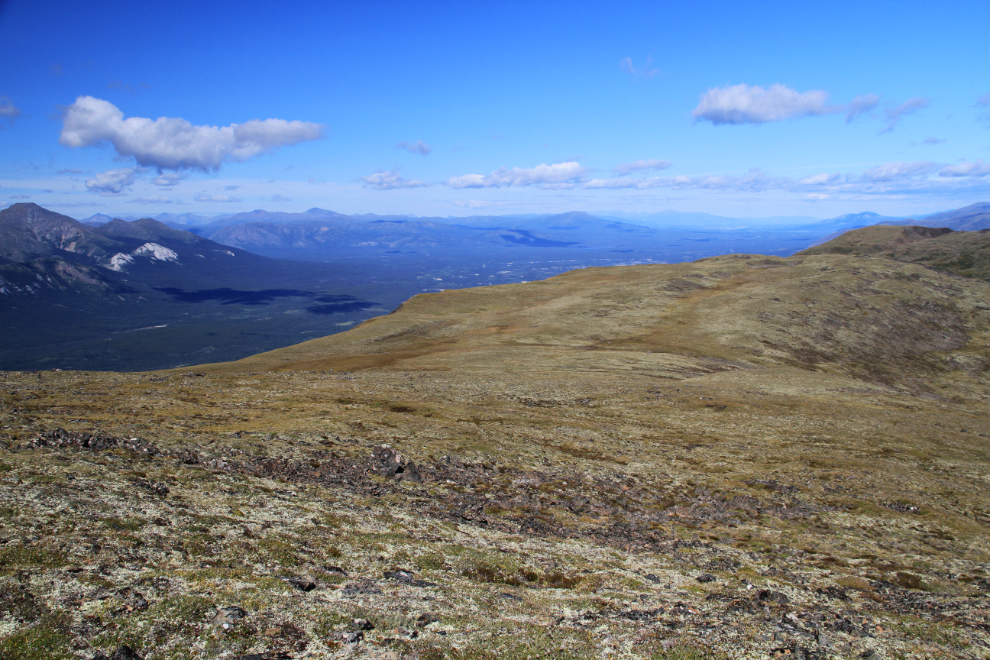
<point>742,457</point>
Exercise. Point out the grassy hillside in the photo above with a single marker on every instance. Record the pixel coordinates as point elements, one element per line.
<point>965,253</point>
<point>744,457</point>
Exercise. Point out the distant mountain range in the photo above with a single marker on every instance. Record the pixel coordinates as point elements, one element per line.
<point>76,296</point>
<point>152,293</point>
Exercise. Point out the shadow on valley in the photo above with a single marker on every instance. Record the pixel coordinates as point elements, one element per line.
<point>328,304</point>
<point>235,297</point>
<point>339,305</point>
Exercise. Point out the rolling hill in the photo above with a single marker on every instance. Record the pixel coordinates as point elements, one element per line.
<point>744,456</point>
<point>965,253</point>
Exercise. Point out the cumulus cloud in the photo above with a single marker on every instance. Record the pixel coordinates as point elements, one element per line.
<point>979,168</point>
<point>113,182</point>
<point>168,178</point>
<point>152,200</point>
<point>171,143</point>
<point>745,104</point>
<point>895,114</point>
<point>626,66</point>
<point>206,197</point>
<point>752,104</point>
<point>390,181</point>
<point>640,165</point>
<point>417,147</point>
<point>556,176</point>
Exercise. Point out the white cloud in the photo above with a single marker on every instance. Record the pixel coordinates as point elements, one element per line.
<point>861,105</point>
<point>391,181</point>
<point>752,104</point>
<point>624,182</point>
<point>979,168</point>
<point>745,104</point>
<point>417,147</point>
<point>168,178</point>
<point>820,179</point>
<point>895,114</point>
<point>626,66</point>
<point>898,171</point>
<point>752,181</point>
<point>556,176</point>
<point>281,198</point>
<point>113,182</point>
<point>206,197</point>
<point>638,165</point>
<point>172,143</point>
<point>152,200</point>
<point>896,178</point>
<point>8,111</point>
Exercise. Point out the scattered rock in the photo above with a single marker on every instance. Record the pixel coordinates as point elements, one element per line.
<point>159,488</point>
<point>132,601</point>
<point>406,577</point>
<point>228,616</point>
<point>705,578</point>
<point>362,624</point>
<point>352,637</point>
<point>426,618</point>
<point>123,652</point>
<point>336,570</point>
<point>391,463</point>
<point>360,589</point>
<point>301,584</point>
<point>267,655</point>
<point>95,442</point>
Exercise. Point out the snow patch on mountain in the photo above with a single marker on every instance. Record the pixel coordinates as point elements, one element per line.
<point>119,260</point>
<point>153,251</point>
<point>156,252</point>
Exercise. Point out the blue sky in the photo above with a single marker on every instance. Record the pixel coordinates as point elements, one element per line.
<point>741,109</point>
